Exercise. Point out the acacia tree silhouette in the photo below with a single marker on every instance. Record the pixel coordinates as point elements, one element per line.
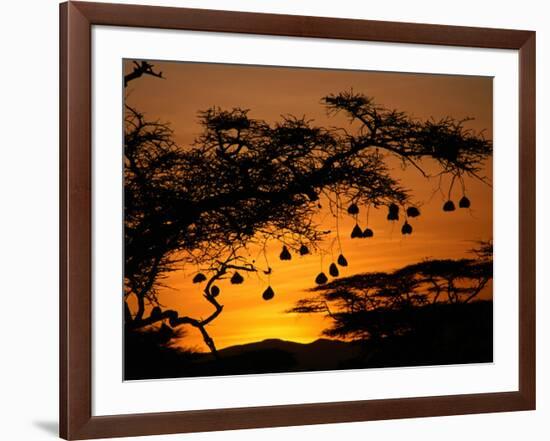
<point>381,304</point>
<point>245,182</point>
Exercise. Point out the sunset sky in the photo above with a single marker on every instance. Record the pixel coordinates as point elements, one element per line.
<point>273,91</point>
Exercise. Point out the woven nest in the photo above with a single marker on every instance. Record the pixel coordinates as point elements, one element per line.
<point>393,212</point>
<point>368,233</point>
<point>200,277</point>
<point>321,279</point>
<point>464,202</point>
<point>285,254</point>
<point>342,261</point>
<point>268,294</point>
<point>449,206</point>
<point>353,209</point>
<point>406,228</point>
<point>236,278</point>
<point>356,233</point>
<point>413,212</point>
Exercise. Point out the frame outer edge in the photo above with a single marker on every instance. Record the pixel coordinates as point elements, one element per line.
<point>75,235</point>
<point>76,421</point>
<point>527,224</point>
<point>63,430</point>
<point>299,26</point>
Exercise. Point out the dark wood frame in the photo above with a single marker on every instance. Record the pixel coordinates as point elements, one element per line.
<point>76,420</point>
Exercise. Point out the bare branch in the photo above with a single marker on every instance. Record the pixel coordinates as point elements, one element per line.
<point>141,68</point>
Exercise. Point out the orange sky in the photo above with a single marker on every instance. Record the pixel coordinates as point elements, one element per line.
<point>269,92</point>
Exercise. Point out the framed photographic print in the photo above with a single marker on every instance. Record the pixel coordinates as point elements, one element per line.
<point>273,220</point>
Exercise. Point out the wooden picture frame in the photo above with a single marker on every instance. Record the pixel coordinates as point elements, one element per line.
<point>76,419</point>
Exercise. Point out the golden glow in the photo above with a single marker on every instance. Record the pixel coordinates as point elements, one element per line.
<point>270,92</point>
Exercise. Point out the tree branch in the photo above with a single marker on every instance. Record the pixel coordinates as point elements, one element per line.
<point>141,68</point>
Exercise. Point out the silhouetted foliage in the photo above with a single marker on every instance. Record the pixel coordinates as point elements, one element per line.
<point>148,354</point>
<point>381,304</point>
<point>245,182</point>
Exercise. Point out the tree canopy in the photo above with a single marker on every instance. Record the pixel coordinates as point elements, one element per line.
<point>380,304</point>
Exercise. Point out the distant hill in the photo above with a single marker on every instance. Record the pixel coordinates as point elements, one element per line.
<point>318,355</point>
<point>275,355</point>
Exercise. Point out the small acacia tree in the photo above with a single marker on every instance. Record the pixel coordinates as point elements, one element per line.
<point>382,304</point>
<point>245,182</point>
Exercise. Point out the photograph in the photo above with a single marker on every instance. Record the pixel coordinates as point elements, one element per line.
<point>232,221</point>
<point>286,219</point>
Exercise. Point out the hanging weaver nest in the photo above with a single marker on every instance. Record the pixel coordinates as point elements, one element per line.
<point>449,206</point>
<point>393,212</point>
<point>285,254</point>
<point>368,233</point>
<point>236,278</point>
<point>353,209</point>
<point>268,294</point>
<point>333,270</point>
<point>464,202</point>
<point>356,233</point>
<point>413,212</point>
<point>200,277</point>
<point>321,279</point>
<point>406,228</point>
<point>342,261</point>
